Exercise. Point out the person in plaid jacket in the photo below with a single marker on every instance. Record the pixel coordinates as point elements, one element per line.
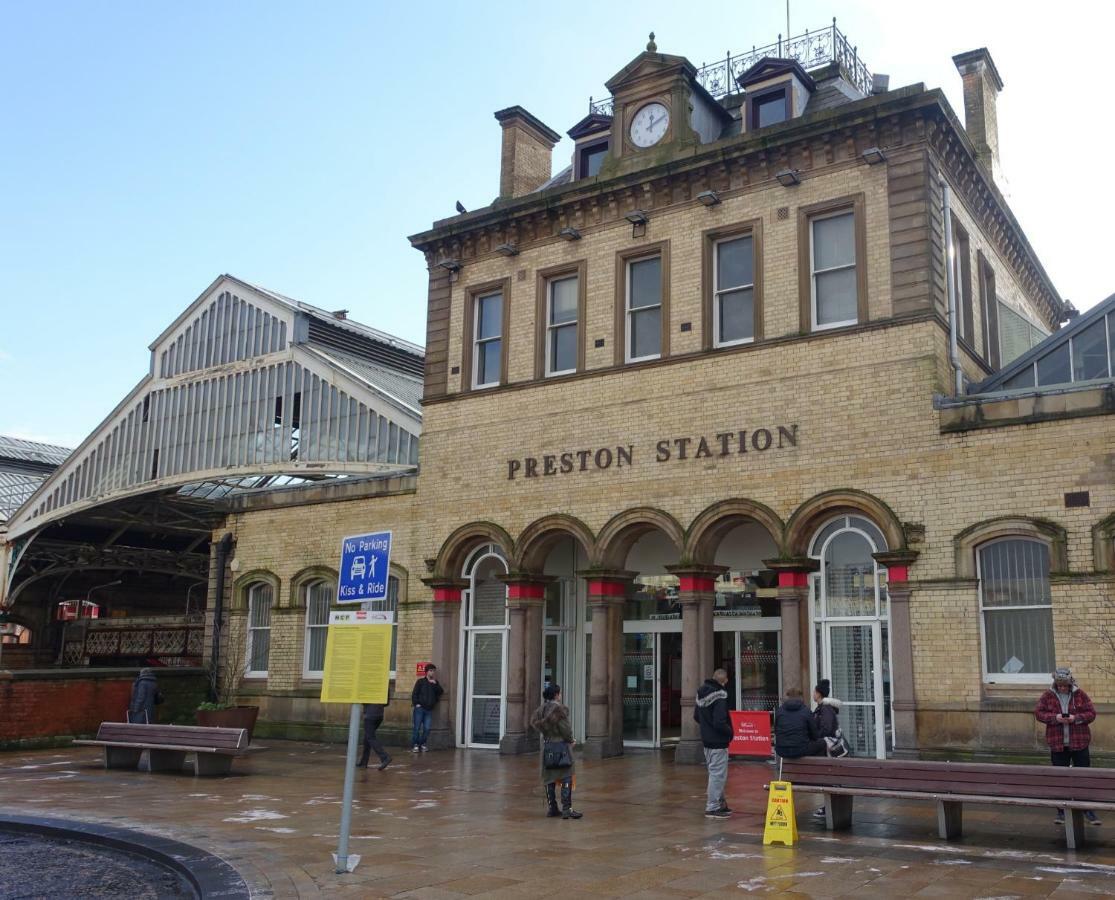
<point>1066,711</point>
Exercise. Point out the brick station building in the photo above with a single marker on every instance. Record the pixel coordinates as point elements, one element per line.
<point>695,402</point>
<point>768,378</point>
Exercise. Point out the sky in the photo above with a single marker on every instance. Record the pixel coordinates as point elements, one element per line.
<point>149,147</point>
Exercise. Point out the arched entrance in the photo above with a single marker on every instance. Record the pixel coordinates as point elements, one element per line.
<point>849,635</point>
<point>483,650</point>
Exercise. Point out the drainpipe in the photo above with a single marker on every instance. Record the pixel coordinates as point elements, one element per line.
<point>950,281</point>
<point>223,548</point>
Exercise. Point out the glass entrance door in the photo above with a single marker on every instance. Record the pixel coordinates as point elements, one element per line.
<point>640,724</point>
<point>669,687</point>
<point>853,657</point>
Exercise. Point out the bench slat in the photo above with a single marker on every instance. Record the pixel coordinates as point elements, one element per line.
<point>827,769</point>
<point>954,798</point>
<point>905,777</point>
<point>224,751</point>
<point>167,736</point>
<point>1067,786</point>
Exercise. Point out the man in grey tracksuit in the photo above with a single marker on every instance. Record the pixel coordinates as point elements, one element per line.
<point>711,713</point>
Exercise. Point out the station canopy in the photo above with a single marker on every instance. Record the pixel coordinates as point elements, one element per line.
<point>247,391</point>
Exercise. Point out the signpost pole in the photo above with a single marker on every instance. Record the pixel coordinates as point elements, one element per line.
<point>343,865</point>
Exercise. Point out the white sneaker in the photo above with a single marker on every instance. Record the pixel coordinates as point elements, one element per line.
<point>414,749</point>
<point>424,748</point>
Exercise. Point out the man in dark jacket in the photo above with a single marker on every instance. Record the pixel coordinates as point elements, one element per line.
<point>424,697</point>
<point>711,713</point>
<point>145,694</point>
<point>795,729</point>
<point>373,718</point>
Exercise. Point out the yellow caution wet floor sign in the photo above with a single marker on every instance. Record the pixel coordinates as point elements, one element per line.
<point>782,822</point>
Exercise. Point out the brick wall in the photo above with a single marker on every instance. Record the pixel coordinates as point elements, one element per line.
<point>43,708</point>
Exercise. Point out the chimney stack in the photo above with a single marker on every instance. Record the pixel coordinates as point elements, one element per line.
<point>525,158</point>
<point>981,90</point>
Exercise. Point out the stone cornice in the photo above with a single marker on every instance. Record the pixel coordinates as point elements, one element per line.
<point>781,142</point>
<point>817,142</point>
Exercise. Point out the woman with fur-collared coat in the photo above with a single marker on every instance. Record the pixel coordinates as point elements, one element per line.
<point>551,720</point>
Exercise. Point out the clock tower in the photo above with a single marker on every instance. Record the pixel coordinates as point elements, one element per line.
<point>659,111</point>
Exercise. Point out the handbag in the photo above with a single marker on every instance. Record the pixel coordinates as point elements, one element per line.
<point>556,755</point>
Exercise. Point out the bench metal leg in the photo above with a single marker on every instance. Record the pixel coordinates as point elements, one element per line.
<point>122,757</point>
<point>1074,828</point>
<point>212,764</point>
<point>167,760</point>
<point>949,819</point>
<point>838,811</point>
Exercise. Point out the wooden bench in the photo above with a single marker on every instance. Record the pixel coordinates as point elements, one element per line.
<point>168,746</point>
<point>951,785</point>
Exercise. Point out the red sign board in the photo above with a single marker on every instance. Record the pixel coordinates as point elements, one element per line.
<point>750,733</point>
<point>420,669</point>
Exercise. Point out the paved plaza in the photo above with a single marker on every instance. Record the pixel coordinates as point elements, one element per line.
<point>470,823</point>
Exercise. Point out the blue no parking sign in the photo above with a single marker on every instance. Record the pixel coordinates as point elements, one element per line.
<point>364,562</point>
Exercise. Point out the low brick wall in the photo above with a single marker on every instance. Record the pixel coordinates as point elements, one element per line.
<point>48,707</point>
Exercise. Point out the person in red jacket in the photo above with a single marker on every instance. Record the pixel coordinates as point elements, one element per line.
<point>1066,712</point>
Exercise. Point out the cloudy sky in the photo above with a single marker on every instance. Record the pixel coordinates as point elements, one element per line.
<point>150,147</point>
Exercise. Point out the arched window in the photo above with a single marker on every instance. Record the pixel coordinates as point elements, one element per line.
<point>390,604</point>
<point>1016,609</point>
<point>260,596</point>
<point>484,623</point>
<point>850,637</point>
<point>319,595</point>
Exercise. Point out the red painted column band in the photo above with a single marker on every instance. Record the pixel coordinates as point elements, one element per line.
<point>607,589</point>
<point>793,579</point>
<point>526,590</point>
<point>447,595</point>
<point>898,573</point>
<point>696,584</point>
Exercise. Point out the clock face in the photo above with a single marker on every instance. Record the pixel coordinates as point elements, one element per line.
<point>649,125</point>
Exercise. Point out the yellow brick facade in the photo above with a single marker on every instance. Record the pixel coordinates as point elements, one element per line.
<point>862,402</point>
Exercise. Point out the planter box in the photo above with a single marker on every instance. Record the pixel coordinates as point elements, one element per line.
<point>233,717</point>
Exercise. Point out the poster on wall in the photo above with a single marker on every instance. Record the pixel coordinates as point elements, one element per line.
<point>750,733</point>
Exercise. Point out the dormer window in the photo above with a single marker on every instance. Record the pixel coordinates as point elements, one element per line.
<point>771,107</point>
<point>590,157</point>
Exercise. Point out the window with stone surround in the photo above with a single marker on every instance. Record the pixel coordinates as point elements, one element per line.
<point>832,254</point>
<point>260,596</point>
<point>488,340</point>
<point>644,309</point>
<point>733,303</point>
<point>389,604</point>
<point>319,596</point>
<point>562,325</point>
<point>1016,610</point>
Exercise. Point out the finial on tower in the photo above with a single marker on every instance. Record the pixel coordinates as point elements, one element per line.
<point>651,45</point>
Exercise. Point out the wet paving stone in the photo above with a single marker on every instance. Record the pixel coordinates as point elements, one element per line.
<point>472,823</point>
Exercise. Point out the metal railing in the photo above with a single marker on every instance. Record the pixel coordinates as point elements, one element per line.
<point>811,49</point>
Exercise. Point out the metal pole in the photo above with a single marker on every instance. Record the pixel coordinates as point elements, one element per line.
<point>346,805</point>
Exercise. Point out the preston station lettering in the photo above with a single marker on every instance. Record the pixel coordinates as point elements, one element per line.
<point>722,443</point>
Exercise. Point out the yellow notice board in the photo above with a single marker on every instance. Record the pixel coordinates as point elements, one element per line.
<point>357,657</point>
<point>782,822</point>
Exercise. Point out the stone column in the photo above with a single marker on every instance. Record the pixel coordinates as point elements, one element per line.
<point>696,594</point>
<point>446,640</point>
<point>793,601</point>
<point>526,595</point>
<point>901,645</point>
<point>606,594</point>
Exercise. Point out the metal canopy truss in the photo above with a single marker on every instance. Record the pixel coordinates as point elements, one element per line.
<point>52,558</point>
<point>239,399</point>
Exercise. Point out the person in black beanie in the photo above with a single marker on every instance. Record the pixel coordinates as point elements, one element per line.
<point>826,714</point>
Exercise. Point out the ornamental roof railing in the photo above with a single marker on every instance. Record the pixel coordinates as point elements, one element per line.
<point>812,49</point>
